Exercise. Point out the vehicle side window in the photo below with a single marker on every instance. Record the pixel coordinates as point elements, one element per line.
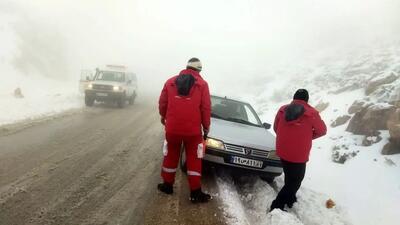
<point>132,77</point>
<point>110,76</point>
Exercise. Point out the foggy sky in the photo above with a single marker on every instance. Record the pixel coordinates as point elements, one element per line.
<point>237,40</point>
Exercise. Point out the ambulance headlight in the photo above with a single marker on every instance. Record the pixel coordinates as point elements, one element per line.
<point>117,88</point>
<point>215,144</point>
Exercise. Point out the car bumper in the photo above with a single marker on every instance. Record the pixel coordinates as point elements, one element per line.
<point>273,167</point>
<point>104,95</point>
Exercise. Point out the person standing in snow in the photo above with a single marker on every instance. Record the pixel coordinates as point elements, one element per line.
<point>185,109</point>
<point>296,125</point>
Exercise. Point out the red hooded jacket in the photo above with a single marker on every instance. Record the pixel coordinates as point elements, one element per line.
<point>296,125</point>
<point>186,115</point>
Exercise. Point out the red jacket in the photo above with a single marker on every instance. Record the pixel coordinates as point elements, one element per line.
<point>296,125</point>
<point>186,115</point>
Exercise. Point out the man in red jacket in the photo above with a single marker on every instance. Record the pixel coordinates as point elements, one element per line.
<point>185,109</point>
<point>296,125</point>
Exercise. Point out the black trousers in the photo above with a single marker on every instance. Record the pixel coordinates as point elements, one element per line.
<point>294,175</point>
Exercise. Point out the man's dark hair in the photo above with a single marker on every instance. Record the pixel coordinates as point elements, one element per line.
<point>301,94</point>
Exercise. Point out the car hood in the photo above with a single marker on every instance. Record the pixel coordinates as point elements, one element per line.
<point>102,82</point>
<point>241,134</point>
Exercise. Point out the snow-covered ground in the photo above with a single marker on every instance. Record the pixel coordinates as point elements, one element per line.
<point>249,203</point>
<point>43,96</point>
<point>366,188</point>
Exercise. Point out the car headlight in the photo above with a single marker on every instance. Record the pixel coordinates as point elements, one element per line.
<point>90,86</point>
<point>215,144</point>
<point>117,88</point>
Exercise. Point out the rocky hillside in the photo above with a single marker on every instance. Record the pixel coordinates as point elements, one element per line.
<point>358,94</point>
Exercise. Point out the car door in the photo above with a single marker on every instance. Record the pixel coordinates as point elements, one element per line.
<point>85,78</point>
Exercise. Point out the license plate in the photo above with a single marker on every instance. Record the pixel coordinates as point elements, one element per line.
<point>246,162</point>
<point>102,94</point>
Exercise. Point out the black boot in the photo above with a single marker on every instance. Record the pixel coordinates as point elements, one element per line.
<point>277,205</point>
<point>166,188</point>
<point>197,196</point>
<point>291,202</point>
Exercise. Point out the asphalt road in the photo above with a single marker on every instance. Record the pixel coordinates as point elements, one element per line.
<point>99,165</point>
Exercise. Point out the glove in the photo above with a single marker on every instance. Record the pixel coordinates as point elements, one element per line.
<point>205,133</point>
<point>163,121</point>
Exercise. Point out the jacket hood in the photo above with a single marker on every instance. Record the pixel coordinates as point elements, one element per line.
<point>191,72</point>
<point>295,110</point>
<point>184,83</point>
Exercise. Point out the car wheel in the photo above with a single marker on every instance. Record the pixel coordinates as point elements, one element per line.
<point>121,102</point>
<point>132,99</point>
<point>89,101</point>
<point>267,178</point>
<point>182,161</point>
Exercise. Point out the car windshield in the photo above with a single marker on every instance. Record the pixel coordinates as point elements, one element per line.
<point>234,111</point>
<point>111,76</point>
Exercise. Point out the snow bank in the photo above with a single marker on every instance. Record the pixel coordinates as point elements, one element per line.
<point>42,96</point>
<point>367,185</point>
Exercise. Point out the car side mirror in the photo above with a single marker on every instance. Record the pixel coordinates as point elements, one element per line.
<point>267,126</point>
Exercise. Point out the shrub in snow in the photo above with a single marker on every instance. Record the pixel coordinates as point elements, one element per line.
<point>340,154</point>
<point>18,93</point>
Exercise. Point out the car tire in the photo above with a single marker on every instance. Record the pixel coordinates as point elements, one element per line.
<point>121,102</point>
<point>89,101</point>
<point>182,161</point>
<point>132,99</point>
<point>267,178</point>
